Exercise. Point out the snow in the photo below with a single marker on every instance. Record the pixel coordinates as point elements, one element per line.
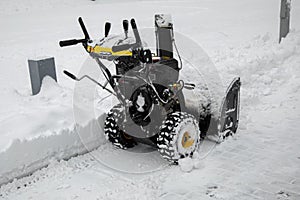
<point>241,38</point>
<point>188,164</point>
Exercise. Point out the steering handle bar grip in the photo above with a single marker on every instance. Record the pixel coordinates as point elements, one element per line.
<point>65,43</point>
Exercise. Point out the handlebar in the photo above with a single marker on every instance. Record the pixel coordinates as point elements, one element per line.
<point>122,47</point>
<point>65,43</point>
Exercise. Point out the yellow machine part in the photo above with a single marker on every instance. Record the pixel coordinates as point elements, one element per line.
<point>108,51</point>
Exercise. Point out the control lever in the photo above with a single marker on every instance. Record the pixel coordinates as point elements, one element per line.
<point>72,76</point>
<point>125,27</point>
<point>138,42</point>
<point>85,32</point>
<point>69,74</point>
<point>107,28</point>
<point>135,32</point>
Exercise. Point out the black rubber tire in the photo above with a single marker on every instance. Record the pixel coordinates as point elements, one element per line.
<point>112,131</point>
<point>170,133</point>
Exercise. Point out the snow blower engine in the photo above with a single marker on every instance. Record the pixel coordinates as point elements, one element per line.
<point>151,104</point>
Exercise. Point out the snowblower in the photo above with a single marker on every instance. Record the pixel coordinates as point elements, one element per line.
<point>151,108</point>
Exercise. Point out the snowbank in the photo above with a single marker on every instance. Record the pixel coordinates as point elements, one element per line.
<point>43,130</point>
<point>263,64</point>
<point>26,156</point>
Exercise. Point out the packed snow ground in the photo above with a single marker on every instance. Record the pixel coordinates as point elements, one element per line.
<point>261,162</point>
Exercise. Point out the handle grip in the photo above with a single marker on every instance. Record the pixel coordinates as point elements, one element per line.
<point>133,24</point>
<point>121,47</point>
<point>85,32</point>
<point>125,25</point>
<point>69,74</point>
<point>107,28</point>
<point>135,32</point>
<point>65,43</point>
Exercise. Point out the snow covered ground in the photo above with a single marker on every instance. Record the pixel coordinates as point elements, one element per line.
<point>261,162</point>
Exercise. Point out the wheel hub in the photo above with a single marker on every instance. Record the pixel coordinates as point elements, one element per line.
<point>187,140</point>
